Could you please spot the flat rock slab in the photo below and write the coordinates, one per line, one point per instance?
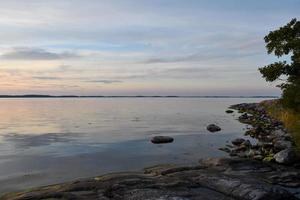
(212, 179)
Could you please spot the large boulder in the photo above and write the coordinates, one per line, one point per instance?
(162, 139)
(286, 156)
(213, 128)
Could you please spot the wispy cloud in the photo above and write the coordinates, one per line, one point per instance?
(80, 79)
(46, 78)
(104, 81)
(36, 54)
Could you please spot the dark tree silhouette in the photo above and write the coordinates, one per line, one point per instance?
(285, 42)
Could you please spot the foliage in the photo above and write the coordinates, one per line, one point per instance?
(289, 117)
(285, 42)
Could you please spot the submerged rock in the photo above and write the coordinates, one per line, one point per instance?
(213, 128)
(162, 139)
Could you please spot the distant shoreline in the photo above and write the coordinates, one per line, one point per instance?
(124, 96)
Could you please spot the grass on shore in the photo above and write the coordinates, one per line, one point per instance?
(290, 119)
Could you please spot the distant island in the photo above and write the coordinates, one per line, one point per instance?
(125, 96)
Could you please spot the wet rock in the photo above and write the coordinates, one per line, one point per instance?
(287, 179)
(162, 139)
(246, 143)
(225, 149)
(243, 117)
(238, 141)
(251, 153)
(264, 144)
(213, 128)
(286, 156)
(213, 179)
(258, 157)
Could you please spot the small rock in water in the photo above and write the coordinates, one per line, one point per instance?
(213, 128)
(286, 156)
(229, 111)
(238, 141)
(162, 139)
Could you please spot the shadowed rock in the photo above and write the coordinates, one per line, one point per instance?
(286, 156)
(212, 179)
(213, 128)
(162, 139)
(229, 111)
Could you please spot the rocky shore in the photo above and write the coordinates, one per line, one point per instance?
(273, 143)
(212, 179)
(261, 169)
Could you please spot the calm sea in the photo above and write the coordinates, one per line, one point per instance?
(47, 141)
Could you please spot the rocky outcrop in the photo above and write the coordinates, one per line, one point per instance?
(211, 179)
(273, 143)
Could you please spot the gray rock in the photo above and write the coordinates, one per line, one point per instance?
(162, 139)
(258, 157)
(225, 149)
(265, 144)
(279, 133)
(238, 141)
(251, 153)
(286, 156)
(282, 144)
(213, 128)
(247, 143)
(213, 179)
(244, 116)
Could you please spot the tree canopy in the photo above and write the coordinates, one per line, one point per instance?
(285, 42)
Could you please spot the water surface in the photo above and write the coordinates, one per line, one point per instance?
(47, 141)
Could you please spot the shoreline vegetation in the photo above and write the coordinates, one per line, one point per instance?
(268, 169)
(288, 117)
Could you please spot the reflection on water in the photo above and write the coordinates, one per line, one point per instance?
(45, 141)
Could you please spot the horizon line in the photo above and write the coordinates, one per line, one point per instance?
(136, 96)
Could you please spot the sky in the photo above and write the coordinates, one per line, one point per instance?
(138, 47)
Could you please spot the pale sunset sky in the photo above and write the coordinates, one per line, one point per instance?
(138, 47)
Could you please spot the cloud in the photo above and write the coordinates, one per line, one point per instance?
(36, 54)
(231, 53)
(82, 79)
(46, 78)
(104, 81)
